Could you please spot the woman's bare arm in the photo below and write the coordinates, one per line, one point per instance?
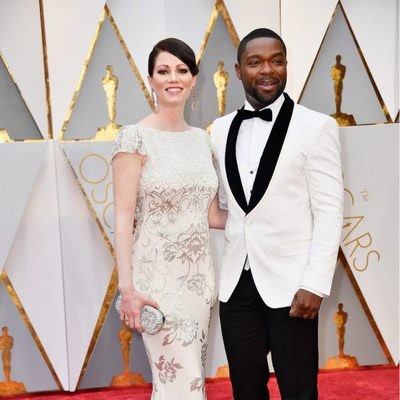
(126, 179)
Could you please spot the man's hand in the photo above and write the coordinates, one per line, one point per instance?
(305, 305)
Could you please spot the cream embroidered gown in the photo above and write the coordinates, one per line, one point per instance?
(171, 258)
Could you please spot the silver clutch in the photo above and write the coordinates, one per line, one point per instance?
(151, 318)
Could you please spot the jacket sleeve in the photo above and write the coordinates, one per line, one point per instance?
(325, 185)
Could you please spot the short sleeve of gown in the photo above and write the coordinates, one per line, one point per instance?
(129, 140)
(210, 144)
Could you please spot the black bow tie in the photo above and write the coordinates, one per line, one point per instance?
(265, 114)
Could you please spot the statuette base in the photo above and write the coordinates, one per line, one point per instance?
(4, 137)
(127, 379)
(107, 133)
(223, 372)
(344, 119)
(341, 362)
(11, 388)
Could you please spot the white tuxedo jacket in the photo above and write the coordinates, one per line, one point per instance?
(290, 230)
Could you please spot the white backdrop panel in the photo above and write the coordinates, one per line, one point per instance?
(252, 14)
(220, 47)
(87, 266)
(21, 44)
(358, 95)
(303, 26)
(70, 28)
(15, 116)
(90, 110)
(34, 266)
(378, 44)
(142, 25)
(19, 165)
(370, 234)
(91, 164)
(360, 339)
(190, 23)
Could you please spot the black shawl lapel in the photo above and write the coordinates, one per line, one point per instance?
(271, 152)
(231, 166)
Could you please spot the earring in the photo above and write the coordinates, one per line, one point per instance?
(154, 98)
(193, 105)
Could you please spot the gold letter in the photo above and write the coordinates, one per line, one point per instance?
(359, 243)
(366, 265)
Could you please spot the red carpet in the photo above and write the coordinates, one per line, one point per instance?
(368, 383)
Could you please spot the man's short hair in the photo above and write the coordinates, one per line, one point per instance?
(257, 33)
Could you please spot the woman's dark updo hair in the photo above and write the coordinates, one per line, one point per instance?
(179, 49)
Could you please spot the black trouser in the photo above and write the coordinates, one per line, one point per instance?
(251, 330)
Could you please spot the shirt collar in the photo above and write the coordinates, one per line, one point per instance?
(275, 106)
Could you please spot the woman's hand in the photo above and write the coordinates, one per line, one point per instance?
(132, 303)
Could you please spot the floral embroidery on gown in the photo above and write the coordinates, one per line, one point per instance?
(171, 256)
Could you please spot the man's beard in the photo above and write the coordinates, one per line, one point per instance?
(266, 99)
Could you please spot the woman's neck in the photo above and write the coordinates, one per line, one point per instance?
(168, 119)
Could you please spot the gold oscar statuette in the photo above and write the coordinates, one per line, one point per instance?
(127, 377)
(221, 83)
(341, 360)
(338, 72)
(4, 136)
(110, 85)
(8, 387)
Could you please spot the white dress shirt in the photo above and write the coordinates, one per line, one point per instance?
(252, 138)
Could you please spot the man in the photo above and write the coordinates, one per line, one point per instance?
(280, 170)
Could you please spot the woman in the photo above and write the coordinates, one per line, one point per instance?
(165, 182)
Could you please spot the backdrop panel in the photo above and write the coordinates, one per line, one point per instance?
(141, 27)
(192, 26)
(91, 164)
(379, 43)
(19, 166)
(87, 267)
(15, 116)
(70, 27)
(370, 229)
(303, 26)
(358, 96)
(251, 14)
(28, 365)
(359, 335)
(21, 45)
(35, 270)
(207, 103)
(90, 109)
